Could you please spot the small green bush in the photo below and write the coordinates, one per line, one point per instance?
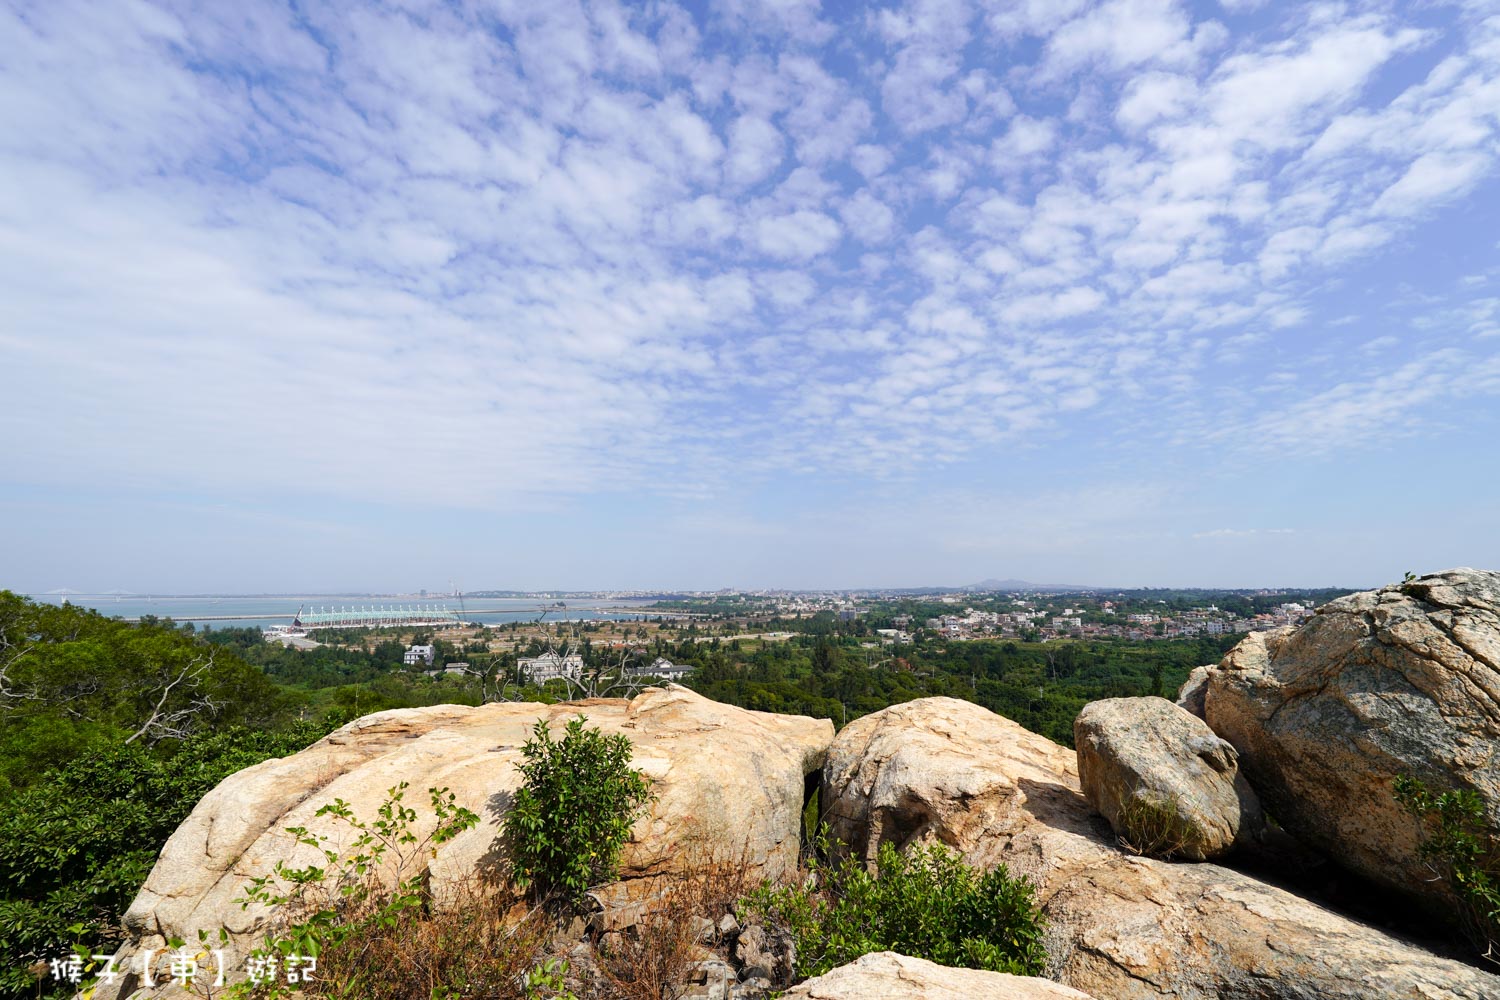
(926, 903)
(1464, 850)
(573, 811)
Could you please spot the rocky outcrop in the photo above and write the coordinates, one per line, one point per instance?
(728, 787)
(885, 975)
(1167, 785)
(948, 771)
(1190, 696)
(942, 770)
(765, 955)
(1404, 680)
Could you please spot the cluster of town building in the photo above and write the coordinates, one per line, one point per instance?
(550, 666)
(1101, 622)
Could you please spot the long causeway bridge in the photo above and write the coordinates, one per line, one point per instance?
(376, 616)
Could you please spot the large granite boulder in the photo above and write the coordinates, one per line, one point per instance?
(728, 785)
(1123, 927)
(1167, 785)
(1404, 680)
(948, 771)
(885, 975)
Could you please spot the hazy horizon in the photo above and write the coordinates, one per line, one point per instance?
(433, 594)
(753, 294)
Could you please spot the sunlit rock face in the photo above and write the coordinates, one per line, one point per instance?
(1404, 680)
(1162, 779)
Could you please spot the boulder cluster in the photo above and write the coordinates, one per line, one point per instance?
(1168, 851)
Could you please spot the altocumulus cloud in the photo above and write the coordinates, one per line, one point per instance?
(552, 249)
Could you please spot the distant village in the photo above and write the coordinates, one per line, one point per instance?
(1030, 617)
(1079, 623)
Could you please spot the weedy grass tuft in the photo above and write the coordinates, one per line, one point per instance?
(1151, 825)
(378, 939)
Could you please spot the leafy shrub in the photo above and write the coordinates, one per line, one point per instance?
(573, 811)
(926, 903)
(1464, 850)
(379, 941)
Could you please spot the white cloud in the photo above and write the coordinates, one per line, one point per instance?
(1350, 240)
(797, 235)
(1433, 178)
(706, 220)
(825, 118)
(920, 90)
(755, 150)
(1031, 17)
(1025, 137)
(1367, 410)
(1233, 533)
(622, 48)
(1267, 98)
(868, 218)
(871, 161)
(692, 136)
(1046, 307)
(999, 260)
(1121, 34)
(795, 18)
(787, 289)
(1155, 96)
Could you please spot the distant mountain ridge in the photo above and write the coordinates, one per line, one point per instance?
(1022, 585)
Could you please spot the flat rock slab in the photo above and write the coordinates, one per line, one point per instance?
(885, 975)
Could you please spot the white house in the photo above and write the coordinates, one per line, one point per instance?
(661, 668)
(419, 654)
(549, 666)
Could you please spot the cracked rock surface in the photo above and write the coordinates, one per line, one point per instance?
(1404, 680)
(1126, 928)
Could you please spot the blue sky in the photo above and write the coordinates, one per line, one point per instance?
(758, 293)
